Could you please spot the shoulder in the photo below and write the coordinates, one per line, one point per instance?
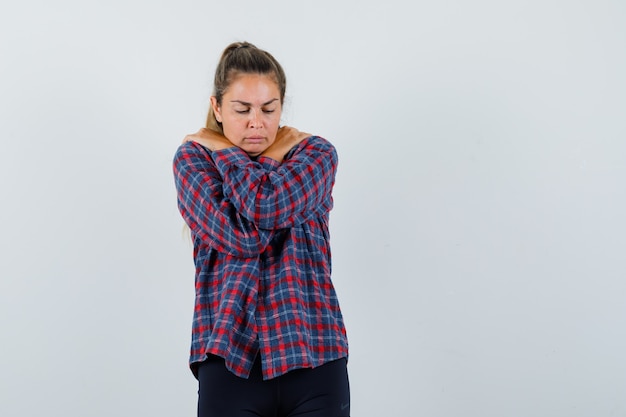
(318, 141)
(319, 144)
(191, 153)
(190, 148)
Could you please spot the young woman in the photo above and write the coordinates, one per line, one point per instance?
(268, 336)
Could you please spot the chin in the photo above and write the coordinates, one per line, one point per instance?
(254, 152)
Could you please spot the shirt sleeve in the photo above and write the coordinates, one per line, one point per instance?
(209, 213)
(275, 196)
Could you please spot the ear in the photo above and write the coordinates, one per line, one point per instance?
(216, 109)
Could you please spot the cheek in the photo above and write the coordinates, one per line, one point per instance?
(273, 132)
(275, 123)
(233, 127)
(231, 134)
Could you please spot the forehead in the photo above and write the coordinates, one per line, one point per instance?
(252, 88)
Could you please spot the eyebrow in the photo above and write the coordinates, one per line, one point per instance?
(245, 103)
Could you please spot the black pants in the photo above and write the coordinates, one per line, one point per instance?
(320, 392)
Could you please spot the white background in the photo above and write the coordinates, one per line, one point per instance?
(478, 234)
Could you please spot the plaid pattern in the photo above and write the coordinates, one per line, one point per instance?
(262, 257)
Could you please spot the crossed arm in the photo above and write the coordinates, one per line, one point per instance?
(234, 203)
(286, 138)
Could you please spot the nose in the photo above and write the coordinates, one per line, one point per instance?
(255, 119)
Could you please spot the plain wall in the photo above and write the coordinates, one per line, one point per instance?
(478, 233)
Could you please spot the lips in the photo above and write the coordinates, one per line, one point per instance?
(255, 139)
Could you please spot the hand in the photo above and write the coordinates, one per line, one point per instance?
(209, 139)
(286, 139)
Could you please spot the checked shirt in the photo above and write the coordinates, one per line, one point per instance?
(262, 256)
